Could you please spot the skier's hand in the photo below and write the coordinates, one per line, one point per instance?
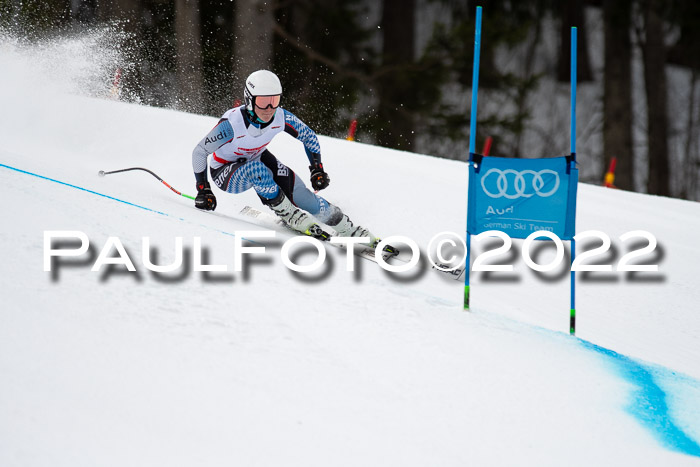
(319, 178)
(205, 197)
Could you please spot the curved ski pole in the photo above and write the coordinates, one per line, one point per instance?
(102, 173)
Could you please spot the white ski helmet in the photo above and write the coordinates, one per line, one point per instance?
(260, 83)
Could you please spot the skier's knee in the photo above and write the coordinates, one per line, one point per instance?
(334, 215)
(260, 176)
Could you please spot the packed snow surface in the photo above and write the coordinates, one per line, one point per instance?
(267, 367)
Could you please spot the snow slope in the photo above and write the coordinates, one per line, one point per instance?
(268, 367)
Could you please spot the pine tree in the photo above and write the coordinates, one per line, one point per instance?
(654, 54)
(189, 55)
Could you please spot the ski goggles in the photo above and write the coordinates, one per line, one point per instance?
(267, 102)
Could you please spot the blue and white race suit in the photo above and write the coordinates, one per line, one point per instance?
(240, 160)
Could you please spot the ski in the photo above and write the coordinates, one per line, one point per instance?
(268, 220)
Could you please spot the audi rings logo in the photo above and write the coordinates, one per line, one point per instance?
(512, 184)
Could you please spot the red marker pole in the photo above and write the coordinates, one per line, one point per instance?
(352, 130)
(487, 146)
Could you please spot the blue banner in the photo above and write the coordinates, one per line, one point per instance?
(521, 196)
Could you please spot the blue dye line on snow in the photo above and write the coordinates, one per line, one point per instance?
(106, 196)
(648, 404)
(81, 188)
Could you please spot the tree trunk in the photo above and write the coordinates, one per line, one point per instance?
(654, 52)
(188, 33)
(573, 15)
(690, 168)
(396, 125)
(297, 26)
(253, 39)
(617, 98)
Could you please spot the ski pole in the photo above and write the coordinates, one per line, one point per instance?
(102, 173)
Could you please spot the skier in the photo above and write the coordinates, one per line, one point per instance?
(240, 161)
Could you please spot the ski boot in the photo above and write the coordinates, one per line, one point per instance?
(346, 228)
(296, 218)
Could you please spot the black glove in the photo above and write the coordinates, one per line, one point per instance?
(319, 178)
(205, 198)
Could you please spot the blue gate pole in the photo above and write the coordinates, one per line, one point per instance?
(472, 140)
(573, 93)
(475, 82)
(572, 319)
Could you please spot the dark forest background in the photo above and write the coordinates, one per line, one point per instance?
(403, 68)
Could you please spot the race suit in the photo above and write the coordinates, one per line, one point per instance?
(240, 160)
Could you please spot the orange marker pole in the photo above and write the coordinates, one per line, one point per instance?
(610, 175)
